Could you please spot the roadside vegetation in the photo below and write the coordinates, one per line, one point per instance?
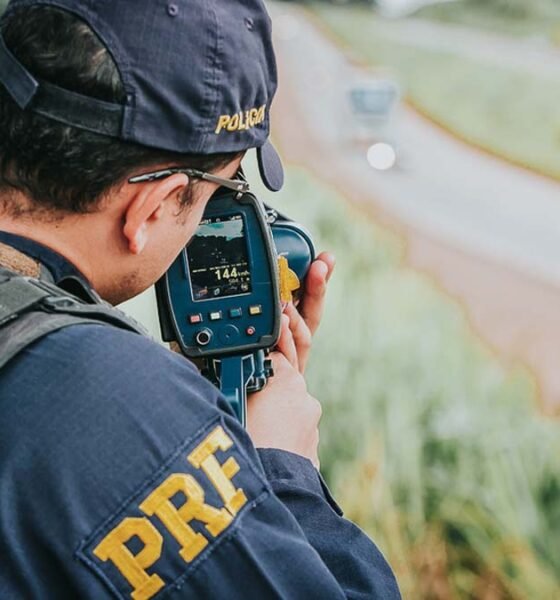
(539, 18)
(428, 442)
(511, 113)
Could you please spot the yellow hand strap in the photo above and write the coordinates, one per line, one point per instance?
(289, 281)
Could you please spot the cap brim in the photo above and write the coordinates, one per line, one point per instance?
(270, 167)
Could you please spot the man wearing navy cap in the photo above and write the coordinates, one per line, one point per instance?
(122, 472)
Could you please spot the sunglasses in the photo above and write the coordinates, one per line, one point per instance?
(237, 185)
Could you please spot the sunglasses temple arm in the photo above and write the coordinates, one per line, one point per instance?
(236, 185)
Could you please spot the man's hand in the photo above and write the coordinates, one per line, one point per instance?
(304, 320)
(284, 416)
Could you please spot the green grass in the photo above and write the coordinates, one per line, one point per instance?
(514, 114)
(511, 17)
(428, 442)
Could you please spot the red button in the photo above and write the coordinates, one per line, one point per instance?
(194, 319)
(251, 331)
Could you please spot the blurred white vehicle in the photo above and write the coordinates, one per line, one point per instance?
(370, 106)
(401, 8)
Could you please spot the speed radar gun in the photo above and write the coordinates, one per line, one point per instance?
(221, 300)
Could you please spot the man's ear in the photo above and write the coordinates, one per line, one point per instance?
(148, 205)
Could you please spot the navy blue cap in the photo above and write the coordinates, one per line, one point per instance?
(199, 75)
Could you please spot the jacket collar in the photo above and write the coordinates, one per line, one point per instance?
(64, 274)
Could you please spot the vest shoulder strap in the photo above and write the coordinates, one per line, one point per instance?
(31, 309)
(31, 327)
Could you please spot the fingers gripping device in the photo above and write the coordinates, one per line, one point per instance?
(222, 298)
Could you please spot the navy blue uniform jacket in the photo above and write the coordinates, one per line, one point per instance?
(123, 474)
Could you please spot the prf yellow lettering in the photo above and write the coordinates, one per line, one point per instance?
(220, 475)
(133, 568)
(177, 520)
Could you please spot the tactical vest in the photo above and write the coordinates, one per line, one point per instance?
(31, 307)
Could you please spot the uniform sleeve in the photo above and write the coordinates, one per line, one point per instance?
(352, 558)
(126, 476)
(257, 548)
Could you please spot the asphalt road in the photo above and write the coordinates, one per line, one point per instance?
(443, 187)
(484, 231)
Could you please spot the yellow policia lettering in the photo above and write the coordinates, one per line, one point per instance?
(222, 122)
(133, 568)
(242, 121)
(176, 520)
(233, 124)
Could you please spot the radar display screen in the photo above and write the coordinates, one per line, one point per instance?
(218, 259)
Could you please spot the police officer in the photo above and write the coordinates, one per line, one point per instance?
(122, 472)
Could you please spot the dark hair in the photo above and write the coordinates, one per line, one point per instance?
(62, 169)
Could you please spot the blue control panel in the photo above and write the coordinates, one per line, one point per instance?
(222, 290)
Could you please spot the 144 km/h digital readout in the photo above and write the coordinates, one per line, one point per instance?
(218, 260)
